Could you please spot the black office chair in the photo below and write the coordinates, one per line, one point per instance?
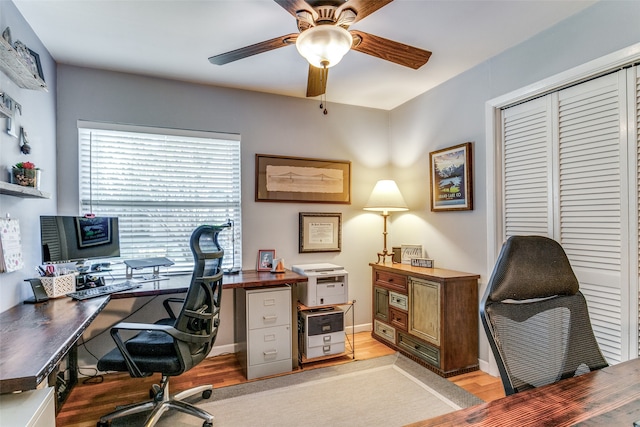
(173, 345)
(536, 318)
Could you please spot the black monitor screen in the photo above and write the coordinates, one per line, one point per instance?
(77, 238)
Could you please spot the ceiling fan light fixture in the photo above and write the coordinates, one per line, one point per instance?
(324, 45)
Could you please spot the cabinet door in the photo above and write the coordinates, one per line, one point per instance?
(424, 310)
(381, 303)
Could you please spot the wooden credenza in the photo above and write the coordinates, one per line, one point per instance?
(428, 314)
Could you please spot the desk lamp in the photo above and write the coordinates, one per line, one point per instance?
(385, 198)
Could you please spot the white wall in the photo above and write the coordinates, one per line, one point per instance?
(267, 124)
(39, 120)
(453, 113)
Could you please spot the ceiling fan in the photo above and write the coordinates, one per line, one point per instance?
(323, 39)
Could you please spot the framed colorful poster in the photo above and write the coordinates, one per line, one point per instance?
(451, 178)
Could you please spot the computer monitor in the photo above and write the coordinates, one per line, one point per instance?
(78, 238)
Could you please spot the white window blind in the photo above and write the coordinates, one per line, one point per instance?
(162, 184)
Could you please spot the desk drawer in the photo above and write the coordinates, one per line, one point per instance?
(391, 280)
(397, 300)
(422, 350)
(384, 331)
(326, 339)
(398, 318)
(269, 345)
(324, 350)
(269, 307)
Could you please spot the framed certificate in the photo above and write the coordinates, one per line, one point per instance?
(320, 232)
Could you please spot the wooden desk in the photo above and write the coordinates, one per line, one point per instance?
(243, 279)
(608, 397)
(35, 338)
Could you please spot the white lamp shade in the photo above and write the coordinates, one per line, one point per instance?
(386, 197)
(324, 45)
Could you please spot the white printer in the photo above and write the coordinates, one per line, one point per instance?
(326, 284)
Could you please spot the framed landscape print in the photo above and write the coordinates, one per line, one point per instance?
(451, 178)
(299, 179)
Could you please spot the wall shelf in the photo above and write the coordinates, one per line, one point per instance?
(17, 70)
(5, 112)
(20, 191)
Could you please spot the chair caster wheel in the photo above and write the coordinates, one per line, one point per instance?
(106, 424)
(154, 390)
(207, 424)
(206, 394)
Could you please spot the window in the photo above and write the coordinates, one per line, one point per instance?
(162, 184)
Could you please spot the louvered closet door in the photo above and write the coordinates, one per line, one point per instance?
(527, 168)
(590, 215)
(565, 176)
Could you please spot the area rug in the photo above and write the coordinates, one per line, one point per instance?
(386, 391)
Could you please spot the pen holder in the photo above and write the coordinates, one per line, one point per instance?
(59, 286)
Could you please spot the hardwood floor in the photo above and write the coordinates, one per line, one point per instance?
(90, 400)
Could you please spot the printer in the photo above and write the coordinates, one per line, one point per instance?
(326, 284)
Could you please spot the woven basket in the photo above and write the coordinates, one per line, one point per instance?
(59, 286)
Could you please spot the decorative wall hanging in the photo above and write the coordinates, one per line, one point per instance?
(320, 232)
(451, 178)
(300, 179)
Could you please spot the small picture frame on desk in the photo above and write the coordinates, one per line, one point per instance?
(265, 259)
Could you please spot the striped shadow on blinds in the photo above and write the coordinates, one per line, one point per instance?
(162, 184)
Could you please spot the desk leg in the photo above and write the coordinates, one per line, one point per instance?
(294, 327)
(62, 386)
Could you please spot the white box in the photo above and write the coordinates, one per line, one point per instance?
(59, 286)
(322, 332)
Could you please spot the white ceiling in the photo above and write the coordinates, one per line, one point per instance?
(174, 38)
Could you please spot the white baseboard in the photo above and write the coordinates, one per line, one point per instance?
(218, 350)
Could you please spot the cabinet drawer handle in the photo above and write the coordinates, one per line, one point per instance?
(267, 318)
(270, 352)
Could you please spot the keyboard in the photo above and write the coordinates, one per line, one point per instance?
(104, 290)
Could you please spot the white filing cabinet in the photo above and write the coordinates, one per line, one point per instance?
(263, 328)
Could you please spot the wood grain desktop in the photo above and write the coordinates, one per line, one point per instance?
(607, 397)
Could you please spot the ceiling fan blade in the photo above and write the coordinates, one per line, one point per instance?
(317, 81)
(363, 8)
(254, 49)
(389, 50)
(293, 6)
